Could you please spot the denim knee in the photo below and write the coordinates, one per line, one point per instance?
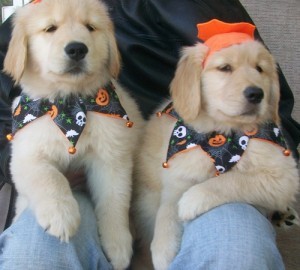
(232, 236)
(31, 248)
(25, 245)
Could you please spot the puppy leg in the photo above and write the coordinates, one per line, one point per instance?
(145, 206)
(49, 195)
(168, 228)
(110, 186)
(167, 235)
(274, 192)
(285, 219)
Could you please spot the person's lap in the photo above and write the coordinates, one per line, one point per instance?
(25, 245)
(232, 236)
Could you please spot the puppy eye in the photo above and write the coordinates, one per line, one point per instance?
(90, 27)
(225, 68)
(259, 69)
(50, 29)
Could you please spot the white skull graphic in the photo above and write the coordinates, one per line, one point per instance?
(80, 119)
(243, 142)
(180, 132)
(220, 169)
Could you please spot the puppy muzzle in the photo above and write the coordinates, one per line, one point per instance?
(76, 51)
(254, 95)
(76, 54)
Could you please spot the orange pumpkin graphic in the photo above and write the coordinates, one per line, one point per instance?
(53, 112)
(181, 142)
(217, 140)
(251, 132)
(18, 111)
(102, 98)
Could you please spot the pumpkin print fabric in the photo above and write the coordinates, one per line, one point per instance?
(70, 113)
(225, 151)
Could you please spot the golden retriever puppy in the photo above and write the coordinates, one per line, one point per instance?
(217, 142)
(72, 115)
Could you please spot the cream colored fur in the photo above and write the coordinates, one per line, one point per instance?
(209, 99)
(105, 151)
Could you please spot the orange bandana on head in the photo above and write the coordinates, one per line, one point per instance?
(217, 35)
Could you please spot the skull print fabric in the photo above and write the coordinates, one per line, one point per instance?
(69, 114)
(225, 150)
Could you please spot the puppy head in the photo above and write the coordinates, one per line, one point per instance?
(237, 85)
(67, 44)
(240, 85)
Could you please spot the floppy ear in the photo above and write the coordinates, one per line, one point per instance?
(114, 61)
(186, 86)
(275, 97)
(15, 59)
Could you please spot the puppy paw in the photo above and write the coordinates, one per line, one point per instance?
(193, 203)
(285, 219)
(162, 254)
(118, 248)
(60, 218)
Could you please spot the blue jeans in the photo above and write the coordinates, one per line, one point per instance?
(232, 236)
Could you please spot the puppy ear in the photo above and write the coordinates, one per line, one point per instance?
(275, 97)
(185, 88)
(15, 59)
(114, 62)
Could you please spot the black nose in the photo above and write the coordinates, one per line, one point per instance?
(76, 50)
(254, 94)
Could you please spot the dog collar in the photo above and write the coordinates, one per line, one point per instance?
(69, 114)
(224, 150)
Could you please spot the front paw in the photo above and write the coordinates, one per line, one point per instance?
(285, 219)
(118, 247)
(59, 217)
(195, 202)
(163, 253)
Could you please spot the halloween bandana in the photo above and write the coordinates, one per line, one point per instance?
(224, 150)
(69, 114)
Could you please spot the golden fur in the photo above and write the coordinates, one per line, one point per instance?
(36, 59)
(210, 98)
